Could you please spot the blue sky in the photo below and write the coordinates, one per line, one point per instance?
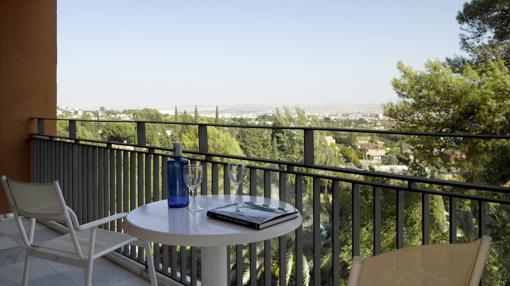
(129, 54)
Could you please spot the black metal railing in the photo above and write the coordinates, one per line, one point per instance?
(346, 212)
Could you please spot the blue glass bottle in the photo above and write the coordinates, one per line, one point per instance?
(177, 190)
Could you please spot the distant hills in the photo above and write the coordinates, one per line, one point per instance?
(270, 109)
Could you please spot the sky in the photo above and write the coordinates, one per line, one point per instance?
(157, 54)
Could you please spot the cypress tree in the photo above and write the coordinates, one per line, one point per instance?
(196, 114)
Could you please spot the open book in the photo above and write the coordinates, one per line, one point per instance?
(251, 214)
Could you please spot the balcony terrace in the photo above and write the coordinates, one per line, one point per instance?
(346, 211)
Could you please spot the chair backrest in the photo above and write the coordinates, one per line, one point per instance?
(440, 264)
(39, 202)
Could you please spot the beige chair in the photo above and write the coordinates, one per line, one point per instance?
(81, 246)
(459, 264)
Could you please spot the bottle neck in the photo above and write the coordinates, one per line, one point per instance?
(178, 149)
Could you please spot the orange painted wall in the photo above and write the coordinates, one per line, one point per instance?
(28, 79)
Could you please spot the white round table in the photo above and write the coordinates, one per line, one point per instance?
(158, 223)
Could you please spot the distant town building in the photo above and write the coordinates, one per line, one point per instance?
(372, 149)
(329, 140)
(375, 153)
(397, 169)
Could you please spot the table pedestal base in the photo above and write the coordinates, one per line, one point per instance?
(214, 266)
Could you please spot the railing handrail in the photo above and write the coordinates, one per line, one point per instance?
(334, 129)
(440, 182)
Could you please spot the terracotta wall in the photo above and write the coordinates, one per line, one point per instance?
(28, 79)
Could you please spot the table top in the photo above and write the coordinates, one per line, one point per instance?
(158, 223)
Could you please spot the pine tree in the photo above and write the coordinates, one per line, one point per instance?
(196, 114)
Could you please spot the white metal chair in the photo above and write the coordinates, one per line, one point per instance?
(459, 264)
(81, 246)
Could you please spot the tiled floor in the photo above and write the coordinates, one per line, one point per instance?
(49, 273)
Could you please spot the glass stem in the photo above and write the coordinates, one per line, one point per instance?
(194, 198)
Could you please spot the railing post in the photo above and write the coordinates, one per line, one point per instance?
(356, 220)
(140, 134)
(203, 145)
(425, 215)
(40, 126)
(481, 218)
(335, 240)
(316, 230)
(377, 219)
(453, 219)
(400, 218)
(308, 147)
(72, 129)
(298, 246)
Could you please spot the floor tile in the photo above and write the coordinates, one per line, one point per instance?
(40, 235)
(104, 273)
(12, 255)
(43, 272)
(132, 282)
(52, 280)
(6, 242)
(11, 227)
(14, 272)
(62, 267)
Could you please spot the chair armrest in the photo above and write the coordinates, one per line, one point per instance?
(101, 221)
(73, 217)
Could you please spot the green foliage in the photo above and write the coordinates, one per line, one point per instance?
(486, 26)
(350, 155)
(467, 99)
(120, 132)
(219, 141)
(486, 19)
(288, 142)
(477, 100)
(348, 139)
(256, 142)
(147, 114)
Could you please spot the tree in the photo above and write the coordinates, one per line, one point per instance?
(486, 26)
(474, 100)
(288, 142)
(148, 114)
(197, 117)
(120, 132)
(477, 100)
(219, 141)
(255, 142)
(485, 20)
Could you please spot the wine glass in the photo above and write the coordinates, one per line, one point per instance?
(236, 173)
(192, 179)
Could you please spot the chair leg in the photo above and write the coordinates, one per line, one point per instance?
(26, 270)
(150, 263)
(88, 272)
